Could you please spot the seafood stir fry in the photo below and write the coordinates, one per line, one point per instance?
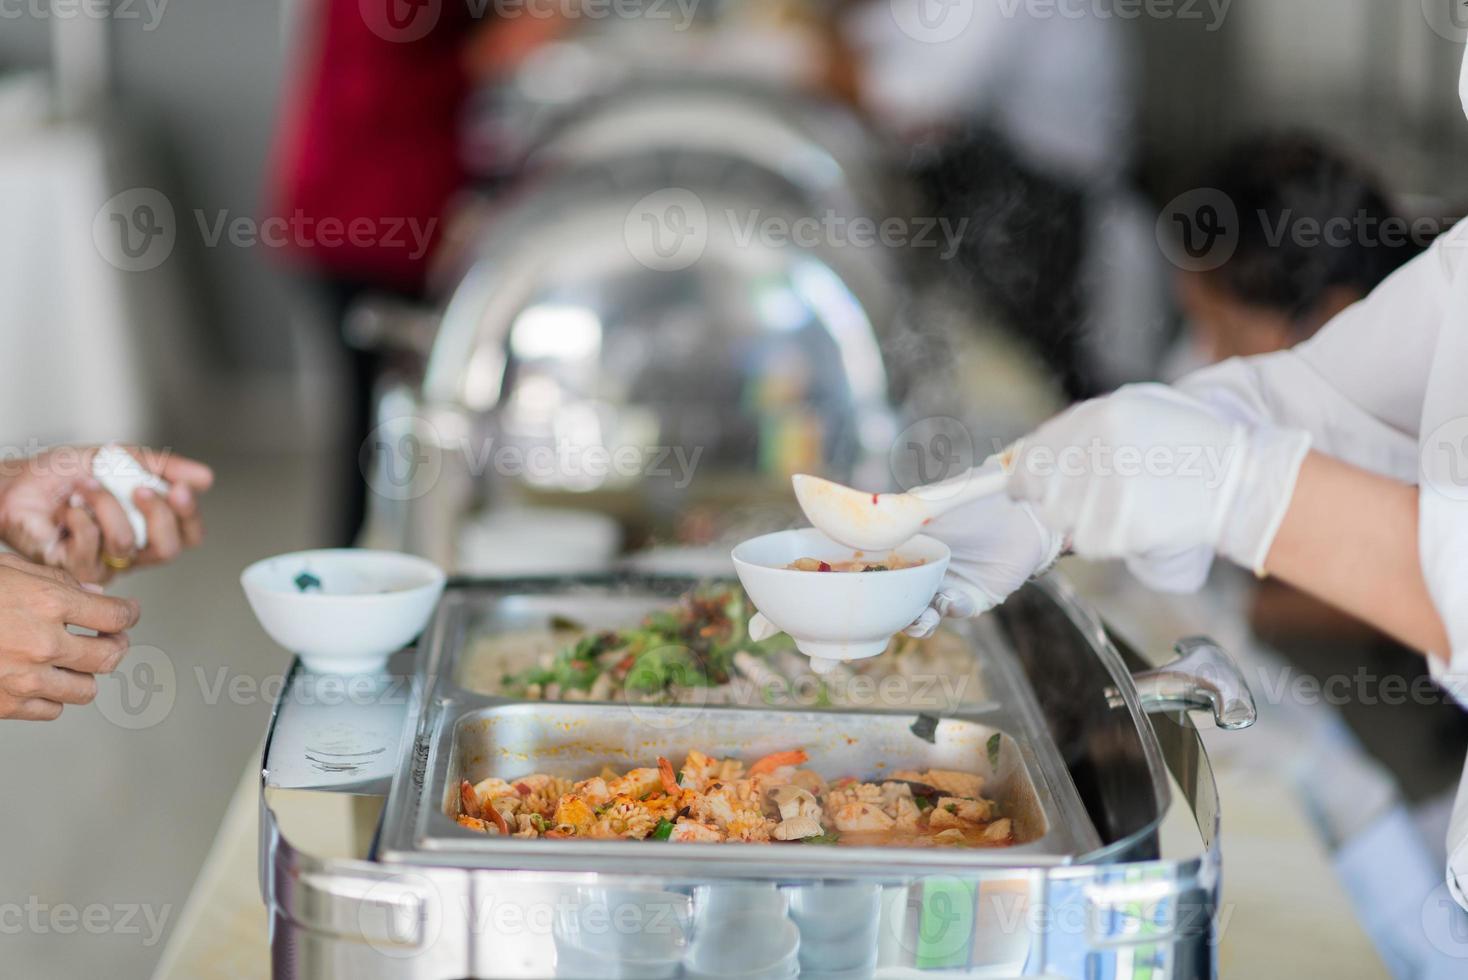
(714, 800)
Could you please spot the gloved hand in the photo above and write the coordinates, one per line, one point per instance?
(1155, 477)
(998, 545)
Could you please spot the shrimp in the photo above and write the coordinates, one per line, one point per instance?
(670, 781)
(794, 757)
(498, 819)
(469, 800)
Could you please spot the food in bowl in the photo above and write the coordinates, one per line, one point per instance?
(891, 563)
(837, 619)
(774, 799)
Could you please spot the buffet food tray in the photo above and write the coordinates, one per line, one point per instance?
(991, 726)
(1078, 716)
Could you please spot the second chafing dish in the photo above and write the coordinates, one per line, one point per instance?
(995, 730)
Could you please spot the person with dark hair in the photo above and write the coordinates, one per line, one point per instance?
(1316, 233)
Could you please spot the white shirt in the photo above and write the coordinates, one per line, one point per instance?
(1384, 386)
(1058, 84)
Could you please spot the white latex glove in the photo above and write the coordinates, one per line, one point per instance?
(1155, 477)
(998, 545)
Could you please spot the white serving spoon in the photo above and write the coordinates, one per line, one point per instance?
(881, 522)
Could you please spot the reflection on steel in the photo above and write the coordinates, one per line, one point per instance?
(637, 320)
(1205, 678)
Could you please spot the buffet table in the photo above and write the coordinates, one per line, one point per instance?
(1283, 908)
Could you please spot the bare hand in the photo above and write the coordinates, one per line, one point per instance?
(53, 512)
(44, 666)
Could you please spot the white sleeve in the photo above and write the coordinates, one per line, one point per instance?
(1443, 468)
(1358, 386)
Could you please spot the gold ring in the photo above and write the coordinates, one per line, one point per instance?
(117, 564)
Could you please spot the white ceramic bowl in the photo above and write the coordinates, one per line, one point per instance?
(837, 616)
(367, 606)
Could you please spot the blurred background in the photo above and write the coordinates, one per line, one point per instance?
(376, 262)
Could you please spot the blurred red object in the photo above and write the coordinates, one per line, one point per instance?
(369, 148)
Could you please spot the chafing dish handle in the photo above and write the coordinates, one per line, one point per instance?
(1204, 678)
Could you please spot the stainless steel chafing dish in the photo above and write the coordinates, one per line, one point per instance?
(1078, 760)
(678, 276)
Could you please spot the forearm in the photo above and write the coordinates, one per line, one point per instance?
(1349, 538)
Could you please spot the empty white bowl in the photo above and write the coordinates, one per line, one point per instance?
(837, 616)
(343, 611)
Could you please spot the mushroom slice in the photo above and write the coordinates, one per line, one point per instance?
(793, 802)
(798, 828)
